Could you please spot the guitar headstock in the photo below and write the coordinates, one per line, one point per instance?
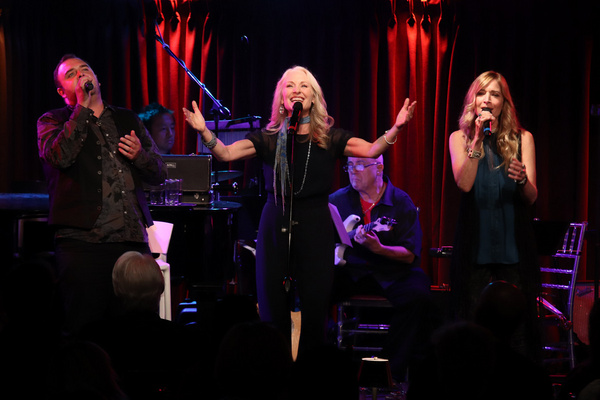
(387, 221)
(383, 224)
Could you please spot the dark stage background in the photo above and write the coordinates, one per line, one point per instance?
(368, 55)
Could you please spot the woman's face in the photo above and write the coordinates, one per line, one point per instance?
(296, 88)
(490, 97)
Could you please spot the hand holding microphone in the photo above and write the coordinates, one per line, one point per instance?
(487, 125)
(83, 92)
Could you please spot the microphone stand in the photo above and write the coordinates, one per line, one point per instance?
(290, 285)
(217, 106)
(290, 282)
(218, 109)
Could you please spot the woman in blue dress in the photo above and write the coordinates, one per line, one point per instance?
(493, 161)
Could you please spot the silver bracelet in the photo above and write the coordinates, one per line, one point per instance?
(386, 139)
(211, 143)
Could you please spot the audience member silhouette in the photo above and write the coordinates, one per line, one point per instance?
(477, 360)
(254, 362)
(588, 370)
(82, 370)
(149, 354)
(591, 391)
(210, 329)
(461, 366)
(30, 331)
(502, 310)
(324, 372)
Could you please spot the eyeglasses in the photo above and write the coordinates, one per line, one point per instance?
(357, 167)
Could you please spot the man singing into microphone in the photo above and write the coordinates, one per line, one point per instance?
(95, 157)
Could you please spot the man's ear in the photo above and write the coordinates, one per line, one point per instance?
(62, 94)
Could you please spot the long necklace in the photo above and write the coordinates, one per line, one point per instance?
(305, 169)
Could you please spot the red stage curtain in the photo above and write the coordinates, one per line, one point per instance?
(368, 55)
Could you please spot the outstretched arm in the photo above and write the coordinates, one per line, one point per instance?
(240, 149)
(357, 147)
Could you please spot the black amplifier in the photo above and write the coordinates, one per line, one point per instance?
(195, 172)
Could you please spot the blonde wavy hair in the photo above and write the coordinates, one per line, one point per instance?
(509, 129)
(320, 121)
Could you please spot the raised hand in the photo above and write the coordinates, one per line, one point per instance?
(406, 113)
(195, 119)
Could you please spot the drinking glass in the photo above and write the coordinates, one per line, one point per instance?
(157, 194)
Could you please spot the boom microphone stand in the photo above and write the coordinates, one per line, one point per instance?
(218, 108)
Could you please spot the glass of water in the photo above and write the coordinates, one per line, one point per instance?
(157, 194)
(173, 192)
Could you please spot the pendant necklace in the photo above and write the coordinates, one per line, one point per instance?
(305, 168)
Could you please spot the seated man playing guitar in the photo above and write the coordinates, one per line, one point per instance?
(384, 259)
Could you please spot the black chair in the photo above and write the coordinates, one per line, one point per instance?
(362, 320)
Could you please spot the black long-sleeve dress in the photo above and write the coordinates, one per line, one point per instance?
(312, 235)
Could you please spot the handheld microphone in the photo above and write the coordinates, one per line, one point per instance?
(295, 119)
(487, 130)
(89, 86)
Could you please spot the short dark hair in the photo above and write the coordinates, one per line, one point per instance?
(151, 111)
(64, 58)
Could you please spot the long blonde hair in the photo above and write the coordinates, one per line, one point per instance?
(509, 129)
(320, 121)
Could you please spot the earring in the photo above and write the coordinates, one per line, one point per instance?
(281, 109)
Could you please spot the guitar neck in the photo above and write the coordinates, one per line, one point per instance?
(369, 227)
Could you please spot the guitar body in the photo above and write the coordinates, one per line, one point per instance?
(340, 248)
(350, 222)
(380, 225)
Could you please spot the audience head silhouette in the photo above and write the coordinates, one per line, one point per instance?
(501, 309)
(83, 370)
(465, 360)
(254, 362)
(138, 282)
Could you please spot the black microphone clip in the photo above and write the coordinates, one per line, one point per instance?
(295, 119)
